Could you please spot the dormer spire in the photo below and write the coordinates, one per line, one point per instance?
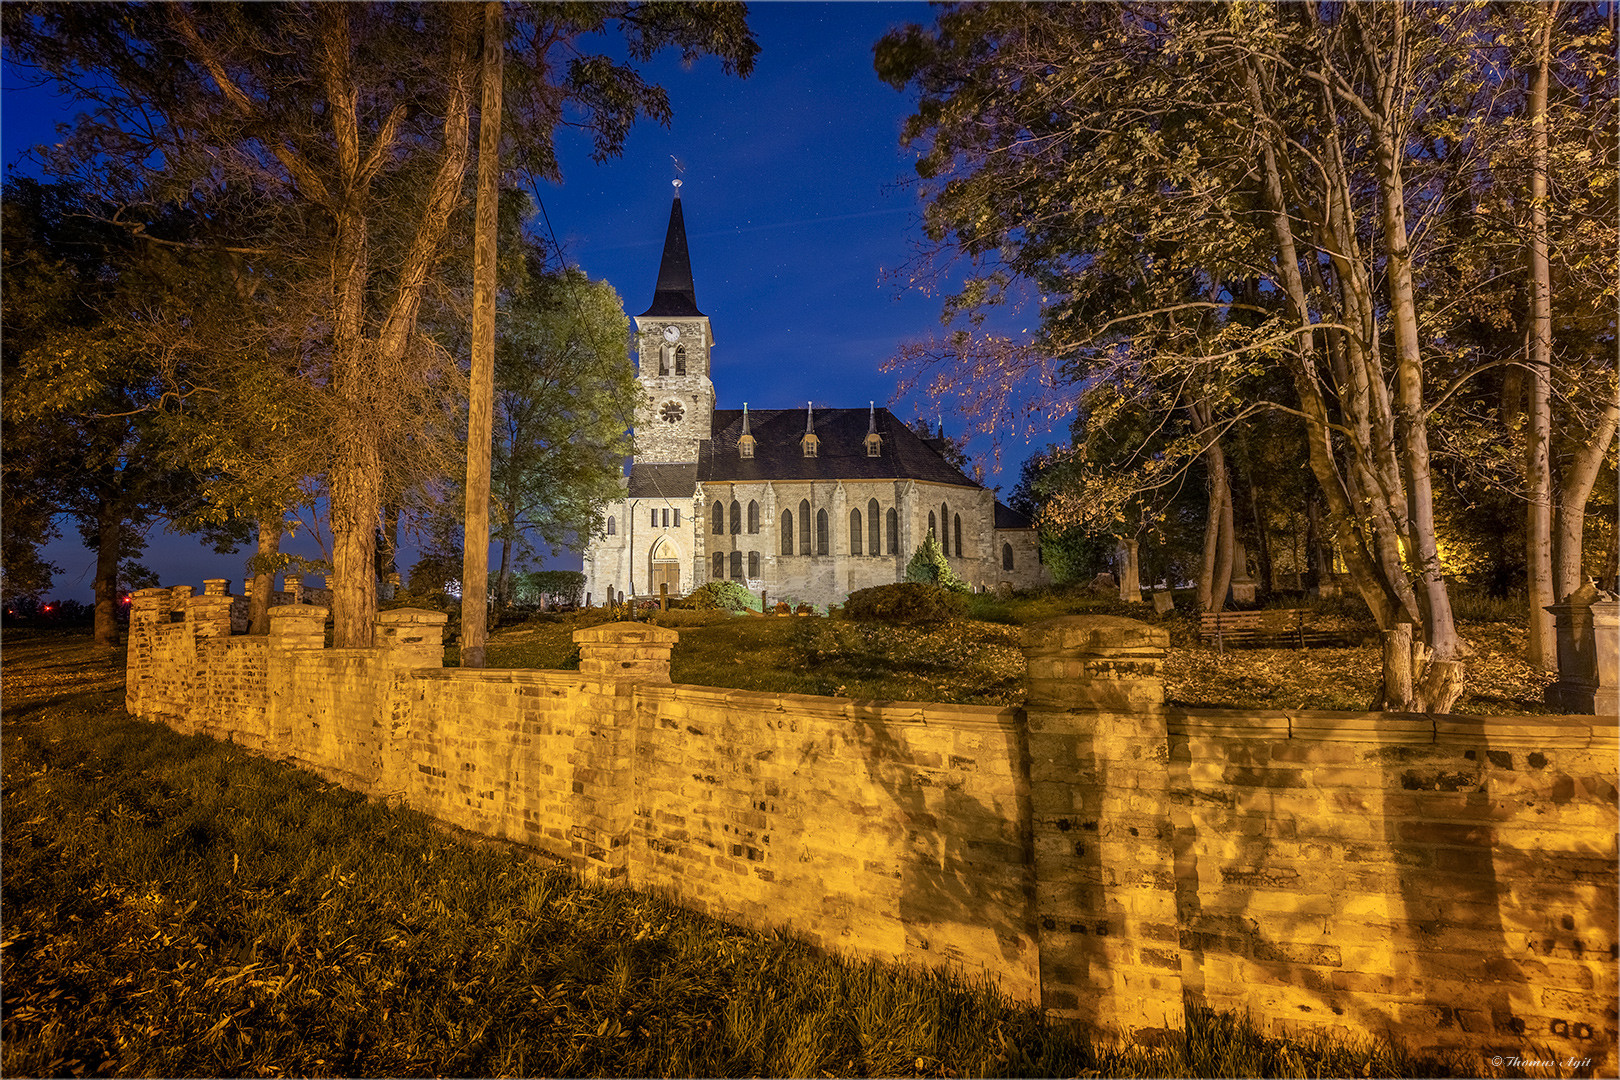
(874, 441)
(871, 418)
(809, 418)
(745, 441)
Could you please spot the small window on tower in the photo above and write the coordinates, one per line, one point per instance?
(680, 359)
(672, 412)
(612, 525)
(874, 445)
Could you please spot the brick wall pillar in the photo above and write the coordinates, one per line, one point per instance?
(294, 628)
(209, 615)
(412, 637)
(147, 608)
(216, 586)
(1104, 863)
(614, 660)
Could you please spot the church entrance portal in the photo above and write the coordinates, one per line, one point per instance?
(666, 568)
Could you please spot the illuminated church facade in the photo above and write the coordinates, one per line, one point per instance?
(806, 504)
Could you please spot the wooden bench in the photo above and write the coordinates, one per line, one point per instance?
(1279, 626)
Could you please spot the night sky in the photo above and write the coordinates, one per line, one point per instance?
(797, 215)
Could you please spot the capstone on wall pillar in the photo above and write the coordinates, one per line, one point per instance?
(614, 659)
(412, 637)
(1104, 863)
(294, 629)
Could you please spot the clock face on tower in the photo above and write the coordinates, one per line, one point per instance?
(672, 333)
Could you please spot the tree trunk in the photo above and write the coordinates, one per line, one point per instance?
(109, 540)
(265, 582)
(1576, 487)
(475, 534)
(503, 583)
(1538, 544)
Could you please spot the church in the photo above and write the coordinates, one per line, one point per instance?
(807, 505)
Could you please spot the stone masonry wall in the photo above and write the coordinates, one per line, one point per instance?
(1450, 881)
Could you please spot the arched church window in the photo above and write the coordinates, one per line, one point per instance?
(804, 526)
(873, 547)
(753, 516)
(823, 540)
(717, 518)
(753, 564)
(787, 532)
(892, 520)
(736, 517)
(612, 525)
(680, 359)
(1006, 557)
(854, 532)
(664, 353)
(719, 566)
(677, 517)
(736, 566)
(944, 527)
(655, 517)
(956, 526)
(933, 524)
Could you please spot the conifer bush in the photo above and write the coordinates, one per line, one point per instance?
(722, 595)
(928, 566)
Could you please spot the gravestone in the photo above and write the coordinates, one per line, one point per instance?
(1164, 602)
(1244, 587)
(1587, 624)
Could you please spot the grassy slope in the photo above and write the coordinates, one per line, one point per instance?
(977, 660)
(176, 907)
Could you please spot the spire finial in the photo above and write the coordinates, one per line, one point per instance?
(809, 417)
(745, 430)
(871, 418)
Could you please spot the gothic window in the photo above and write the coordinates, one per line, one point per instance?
(804, 526)
(736, 566)
(655, 517)
(933, 525)
(672, 412)
(680, 359)
(854, 532)
(753, 564)
(719, 565)
(753, 516)
(736, 517)
(677, 517)
(787, 532)
(873, 546)
(945, 527)
(957, 526)
(1006, 557)
(823, 540)
(663, 359)
(612, 525)
(892, 518)
(717, 518)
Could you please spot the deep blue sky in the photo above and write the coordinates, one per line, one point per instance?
(795, 213)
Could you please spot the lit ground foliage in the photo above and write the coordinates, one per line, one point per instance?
(976, 661)
(176, 907)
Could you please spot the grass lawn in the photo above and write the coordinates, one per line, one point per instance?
(977, 660)
(176, 907)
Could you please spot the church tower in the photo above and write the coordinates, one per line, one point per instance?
(673, 340)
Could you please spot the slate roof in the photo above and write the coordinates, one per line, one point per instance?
(675, 293)
(841, 455)
(1008, 518)
(662, 481)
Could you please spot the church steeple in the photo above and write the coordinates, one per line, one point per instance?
(675, 293)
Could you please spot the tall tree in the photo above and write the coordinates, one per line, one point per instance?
(481, 391)
(1279, 166)
(348, 127)
(83, 384)
(564, 402)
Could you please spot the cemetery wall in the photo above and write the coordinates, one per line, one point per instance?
(1447, 880)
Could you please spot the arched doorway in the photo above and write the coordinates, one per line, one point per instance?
(665, 568)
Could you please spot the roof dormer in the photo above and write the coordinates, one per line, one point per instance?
(810, 442)
(745, 441)
(874, 441)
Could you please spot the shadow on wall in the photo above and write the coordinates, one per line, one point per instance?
(967, 869)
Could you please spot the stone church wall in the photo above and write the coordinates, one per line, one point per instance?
(1448, 880)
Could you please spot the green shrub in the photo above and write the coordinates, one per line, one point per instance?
(723, 596)
(676, 617)
(905, 602)
(928, 566)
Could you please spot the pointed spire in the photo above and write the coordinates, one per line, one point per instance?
(809, 418)
(675, 293)
(745, 441)
(871, 418)
(745, 419)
